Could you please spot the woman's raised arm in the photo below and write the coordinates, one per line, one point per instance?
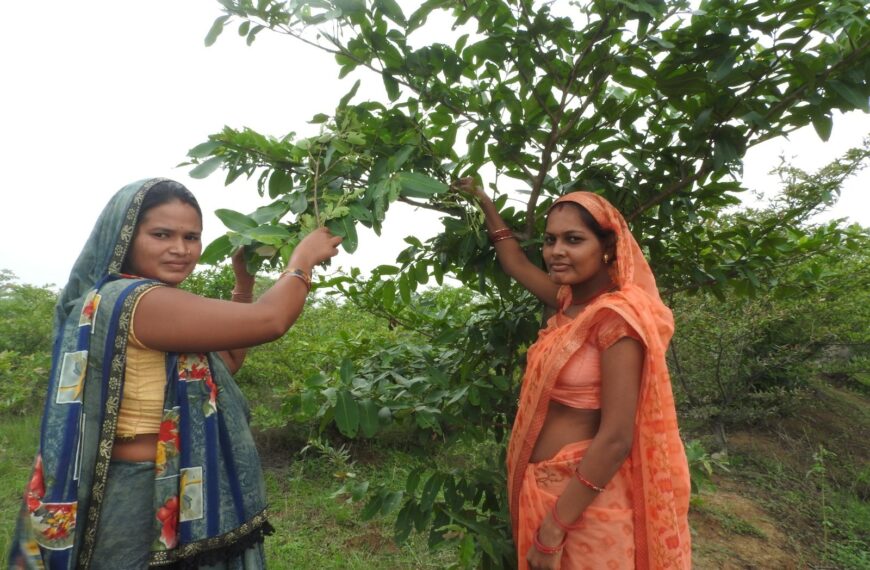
(511, 257)
(173, 320)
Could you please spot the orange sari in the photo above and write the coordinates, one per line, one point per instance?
(659, 472)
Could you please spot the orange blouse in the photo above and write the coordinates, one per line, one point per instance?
(578, 384)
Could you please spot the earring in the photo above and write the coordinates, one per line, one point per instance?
(606, 258)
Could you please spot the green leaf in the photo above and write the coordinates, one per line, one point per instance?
(413, 480)
(253, 34)
(203, 150)
(391, 501)
(397, 160)
(279, 183)
(823, 125)
(272, 235)
(416, 185)
(430, 489)
(349, 95)
(346, 371)
(368, 421)
(388, 293)
(404, 289)
(850, 94)
(724, 66)
(404, 522)
(373, 507)
(216, 28)
(662, 42)
(298, 202)
(346, 413)
(421, 273)
(391, 85)
(216, 251)
(269, 213)
(235, 221)
(346, 228)
(203, 169)
(392, 11)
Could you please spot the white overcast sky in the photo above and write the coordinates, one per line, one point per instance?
(98, 94)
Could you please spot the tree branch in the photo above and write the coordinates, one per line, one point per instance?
(706, 165)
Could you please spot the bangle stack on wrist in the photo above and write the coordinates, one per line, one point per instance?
(501, 234)
(299, 274)
(239, 297)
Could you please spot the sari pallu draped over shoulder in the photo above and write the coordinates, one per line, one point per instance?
(209, 498)
(660, 477)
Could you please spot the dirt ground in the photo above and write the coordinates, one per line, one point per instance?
(745, 524)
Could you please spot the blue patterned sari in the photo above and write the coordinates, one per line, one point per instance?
(205, 488)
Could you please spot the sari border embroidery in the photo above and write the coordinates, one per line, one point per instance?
(125, 237)
(113, 387)
(254, 529)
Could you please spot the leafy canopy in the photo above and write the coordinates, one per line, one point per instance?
(652, 103)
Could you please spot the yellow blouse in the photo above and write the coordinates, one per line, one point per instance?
(144, 385)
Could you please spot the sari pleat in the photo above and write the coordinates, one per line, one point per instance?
(604, 535)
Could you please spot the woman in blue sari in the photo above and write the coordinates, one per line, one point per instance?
(145, 455)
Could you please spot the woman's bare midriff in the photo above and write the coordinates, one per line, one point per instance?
(142, 447)
(564, 425)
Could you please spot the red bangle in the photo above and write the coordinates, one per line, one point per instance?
(562, 524)
(544, 549)
(586, 481)
(501, 234)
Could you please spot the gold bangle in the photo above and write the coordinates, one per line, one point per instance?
(242, 297)
(299, 273)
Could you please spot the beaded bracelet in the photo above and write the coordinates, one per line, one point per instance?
(501, 234)
(299, 273)
(544, 549)
(586, 481)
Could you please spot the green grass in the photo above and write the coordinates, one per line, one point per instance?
(314, 529)
(19, 437)
(732, 523)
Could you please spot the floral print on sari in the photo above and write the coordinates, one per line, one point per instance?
(89, 309)
(54, 523)
(167, 518)
(195, 368)
(168, 443)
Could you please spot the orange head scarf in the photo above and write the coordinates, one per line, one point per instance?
(660, 477)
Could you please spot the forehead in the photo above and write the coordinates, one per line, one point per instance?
(564, 218)
(174, 213)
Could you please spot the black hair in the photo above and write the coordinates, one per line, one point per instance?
(161, 193)
(164, 192)
(605, 236)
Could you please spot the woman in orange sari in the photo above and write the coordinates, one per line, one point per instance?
(597, 473)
